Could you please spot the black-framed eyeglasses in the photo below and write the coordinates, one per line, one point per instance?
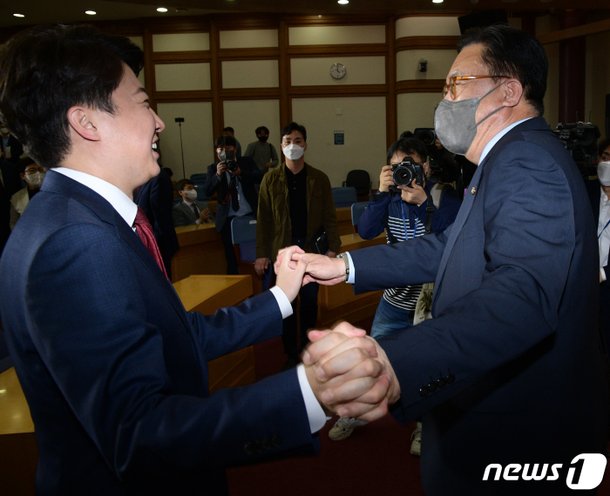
(451, 86)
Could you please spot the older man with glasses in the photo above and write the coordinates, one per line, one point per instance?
(509, 375)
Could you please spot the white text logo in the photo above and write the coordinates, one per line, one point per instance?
(585, 471)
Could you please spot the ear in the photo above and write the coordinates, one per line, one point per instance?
(513, 92)
(81, 120)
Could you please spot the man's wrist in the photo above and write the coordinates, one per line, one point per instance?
(343, 257)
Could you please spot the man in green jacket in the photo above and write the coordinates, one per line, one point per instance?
(296, 207)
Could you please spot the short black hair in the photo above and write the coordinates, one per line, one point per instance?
(45, 70)
(182, 183)
(260, 129)
(23, 163)
(293, 126)
(408, 146)
(512, 52)
(602, 145)
(225, 141)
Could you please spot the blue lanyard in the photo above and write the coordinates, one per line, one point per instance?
(405, 221)
(602, 231)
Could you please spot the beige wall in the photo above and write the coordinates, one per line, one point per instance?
(265, 73)
(362, 122)
(197, 137)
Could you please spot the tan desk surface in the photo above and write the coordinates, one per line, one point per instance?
(204, 294)
(188, 235)
(14, 412)
(344, 220)
(201, 252)
(207, 293)
(354, 241)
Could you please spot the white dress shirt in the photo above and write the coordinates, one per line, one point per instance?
(603, 232)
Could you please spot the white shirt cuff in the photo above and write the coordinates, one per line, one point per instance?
(282, 301)
(351, 278)
(315, 413)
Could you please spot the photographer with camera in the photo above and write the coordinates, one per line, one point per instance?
(408, 204)
(234, 182)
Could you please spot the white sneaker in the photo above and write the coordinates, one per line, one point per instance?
(416, 440)
(343, 428)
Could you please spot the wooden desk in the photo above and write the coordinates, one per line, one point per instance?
(344, 221)
(206, 294)
(201, 252)
(18, 450)
(202, 293)
(339, 302)
(14, 412)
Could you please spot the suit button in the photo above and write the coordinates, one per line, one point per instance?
(424, 390)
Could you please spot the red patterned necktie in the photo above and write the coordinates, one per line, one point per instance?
(145, 233)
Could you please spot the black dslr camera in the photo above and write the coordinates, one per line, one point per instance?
(231, 165)
(231, 162)
(406, 172)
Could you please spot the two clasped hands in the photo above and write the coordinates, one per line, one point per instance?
(347, 370)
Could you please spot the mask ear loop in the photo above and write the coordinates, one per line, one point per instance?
(493, 111)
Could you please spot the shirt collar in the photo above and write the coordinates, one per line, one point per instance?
(490, 144)
(124, 205)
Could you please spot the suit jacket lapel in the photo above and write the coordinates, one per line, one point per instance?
(457, 225)
(58, 183)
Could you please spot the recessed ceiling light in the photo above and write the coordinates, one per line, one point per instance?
(18, 15)
(162, 10)
(342, 2)
(90, 12)
(438, 1)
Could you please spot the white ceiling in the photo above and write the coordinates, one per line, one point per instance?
(69, 11)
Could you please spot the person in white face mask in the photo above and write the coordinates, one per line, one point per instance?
(32, 174)
(600, 203)
(189, 210)
(295, 208)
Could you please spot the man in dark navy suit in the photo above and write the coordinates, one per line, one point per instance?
(113, 367)
(509, 376)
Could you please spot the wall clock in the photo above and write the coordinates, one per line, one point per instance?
(338, 71)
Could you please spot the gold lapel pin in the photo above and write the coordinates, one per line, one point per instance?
(473, 190)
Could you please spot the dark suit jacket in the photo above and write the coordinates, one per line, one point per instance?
(184, 215)
(510, 369)
(156, 198)
(115, 370)
(250, 176)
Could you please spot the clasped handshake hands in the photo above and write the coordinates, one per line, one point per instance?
(348, 371)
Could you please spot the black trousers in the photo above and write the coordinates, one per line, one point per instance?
(303, 318)
(305, 308)
(227, 242)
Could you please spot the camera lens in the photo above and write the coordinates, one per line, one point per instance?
(402, 175)
(406, 172)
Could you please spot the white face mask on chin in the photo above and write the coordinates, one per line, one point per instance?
(603, 173)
